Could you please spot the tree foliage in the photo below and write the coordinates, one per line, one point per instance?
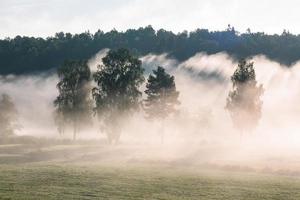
(162, 96)
(244, 101)
(73, 104)
(8, 117)
(117, 93)
(21, 55)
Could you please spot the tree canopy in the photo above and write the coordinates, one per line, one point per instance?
(244, 101)
(162, 96)
(117, 92)
(21, 55)
(73, 105)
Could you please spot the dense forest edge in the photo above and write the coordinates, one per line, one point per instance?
(24, 55)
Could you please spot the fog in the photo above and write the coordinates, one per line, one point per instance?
(202, 132)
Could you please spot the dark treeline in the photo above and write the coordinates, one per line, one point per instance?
(28, 54)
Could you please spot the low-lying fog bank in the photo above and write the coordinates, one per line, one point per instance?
(202, 132)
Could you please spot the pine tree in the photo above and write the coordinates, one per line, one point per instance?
(162, 96)
(244, 100)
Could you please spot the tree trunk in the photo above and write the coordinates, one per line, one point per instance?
(75, 130)
(74, 134)
(242, 133)
(162, 128)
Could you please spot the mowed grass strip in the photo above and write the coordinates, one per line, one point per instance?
(60, 181)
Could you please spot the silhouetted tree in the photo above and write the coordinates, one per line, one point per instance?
(162, 96)
(244, 101)
(73, 104)
(8, 117)
(117, 93)
(21, 55)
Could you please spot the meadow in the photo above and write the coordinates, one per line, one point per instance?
(95, 170)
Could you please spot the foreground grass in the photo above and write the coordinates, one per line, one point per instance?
(41, 169)
(64, 181)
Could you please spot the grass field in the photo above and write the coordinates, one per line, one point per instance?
(54, 172)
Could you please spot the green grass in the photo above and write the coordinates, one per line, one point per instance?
(42, 174)
(60, 181)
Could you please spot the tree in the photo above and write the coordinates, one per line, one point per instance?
(162, 96)
(73, 104)
(244, 100)
(23, 55)
(117, 93)
(8, 117)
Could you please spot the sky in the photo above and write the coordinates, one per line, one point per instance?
(44, 18)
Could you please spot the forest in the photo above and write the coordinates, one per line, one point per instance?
(25, 55)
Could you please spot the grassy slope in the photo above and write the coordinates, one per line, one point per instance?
(42, 177)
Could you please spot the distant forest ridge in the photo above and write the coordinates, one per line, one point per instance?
(23, 55)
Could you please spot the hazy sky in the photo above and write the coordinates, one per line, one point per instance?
(45, 17)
